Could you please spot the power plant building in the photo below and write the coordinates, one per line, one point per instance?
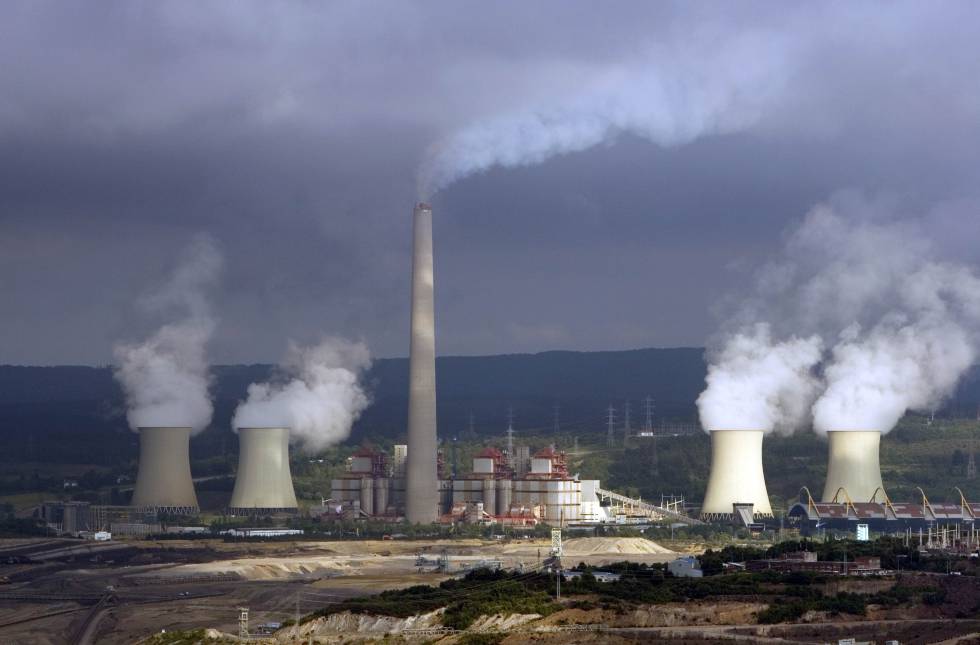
(263, 484)
(736, 476)
(490, 493)
(164, 479)
(944, 524)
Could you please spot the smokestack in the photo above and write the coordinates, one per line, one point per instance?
(736, 475)
(853, 465)
(164, 478)
(421, 494)
(263, 484)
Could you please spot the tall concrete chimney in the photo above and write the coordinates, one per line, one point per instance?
(263, 484)
(421, 478)
(736, 475)
(853, 465)
(163, 480)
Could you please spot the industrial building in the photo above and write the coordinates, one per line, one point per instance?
(263, 484)
(946, 523)
(67, 518)
(163, 481)
(685, 567)
(807, 561)
(491, 493)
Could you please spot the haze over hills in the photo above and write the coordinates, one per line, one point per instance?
(77, 413)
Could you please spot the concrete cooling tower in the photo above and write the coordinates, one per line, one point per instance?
(263, 484)
(422, 485)
(164, 478)
(736, 475)
(853, 465)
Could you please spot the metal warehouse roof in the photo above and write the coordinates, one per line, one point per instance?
(963, 511)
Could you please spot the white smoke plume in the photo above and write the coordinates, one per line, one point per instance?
(902, 326)
(673, 93)
(319, 398)
(911, 360)
(165, 378)
(754, 383)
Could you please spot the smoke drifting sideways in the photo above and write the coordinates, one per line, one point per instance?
(754, 383)
(672, 93)
(166, 378)
(318, 396)
(902, 326)
(910, 360)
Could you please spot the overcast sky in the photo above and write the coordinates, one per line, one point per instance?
(620, 168)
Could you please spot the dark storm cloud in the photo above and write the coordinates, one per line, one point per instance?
(688, 137)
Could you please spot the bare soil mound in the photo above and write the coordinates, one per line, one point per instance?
(609, 545)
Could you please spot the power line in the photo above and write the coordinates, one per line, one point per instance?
(611, 430)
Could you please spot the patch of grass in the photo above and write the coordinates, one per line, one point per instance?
(479, 593)
(507, 598)
(782, 610)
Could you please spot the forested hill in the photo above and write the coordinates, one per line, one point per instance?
(77, 413)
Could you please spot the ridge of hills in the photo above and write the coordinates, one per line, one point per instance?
(76, 415)
(81, 409)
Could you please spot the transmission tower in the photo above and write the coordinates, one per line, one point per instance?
(455, 445)
(627, 429)
(510, 431)
(648, 426)
(611, 431)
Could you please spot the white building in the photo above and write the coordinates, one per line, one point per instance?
(685, 567)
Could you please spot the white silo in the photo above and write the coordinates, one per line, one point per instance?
(164, 479)
(853, 465)
(263, 483)
(736, 475)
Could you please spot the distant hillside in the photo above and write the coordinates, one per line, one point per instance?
(72, 414)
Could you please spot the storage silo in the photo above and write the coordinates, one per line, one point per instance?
(505, 490)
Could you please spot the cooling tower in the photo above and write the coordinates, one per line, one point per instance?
(736, 474)
(263, 484)
(422, 485)
(164, 478)
(853, 464)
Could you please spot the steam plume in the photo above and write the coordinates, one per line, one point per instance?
(321, 398)
(165, 378)
(673, 94)
(754, 383)
(902, 326)
(911, 360)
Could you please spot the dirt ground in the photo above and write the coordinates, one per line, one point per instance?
(119, 593)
